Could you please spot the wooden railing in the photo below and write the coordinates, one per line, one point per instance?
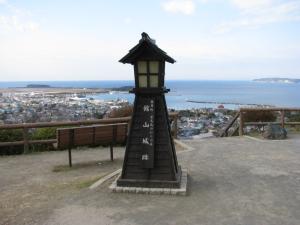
(282, 122)
(26, 126)
(224, 132)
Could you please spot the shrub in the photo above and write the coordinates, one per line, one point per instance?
(260, 116)
(121, 112)
(293, 117)
(11, 135)
(44, 133)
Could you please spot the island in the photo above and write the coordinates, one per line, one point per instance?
(123, 88)
(38, 86)
(278, 80)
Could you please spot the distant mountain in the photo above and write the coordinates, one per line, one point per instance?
(278, 80)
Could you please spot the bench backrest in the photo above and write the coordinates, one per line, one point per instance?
(92, 135)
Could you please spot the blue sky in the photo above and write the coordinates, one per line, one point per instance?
(210, 39)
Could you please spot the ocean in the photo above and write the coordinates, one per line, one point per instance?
(232, 94)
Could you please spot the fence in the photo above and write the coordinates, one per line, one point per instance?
(282, 122)
(239, 120)
(26, 126)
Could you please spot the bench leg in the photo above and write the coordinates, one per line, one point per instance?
(70, 157)
(111, 153)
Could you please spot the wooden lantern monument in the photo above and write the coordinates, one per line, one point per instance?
(150, 158)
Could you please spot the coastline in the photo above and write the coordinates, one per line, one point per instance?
(239, 93)
(54, 90)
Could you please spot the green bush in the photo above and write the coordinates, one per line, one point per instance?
(260, 116)
(8, 136)
(121, 112)
(293, 117)
(44, 133)
(11, 135)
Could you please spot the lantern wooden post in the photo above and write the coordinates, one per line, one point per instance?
(150, 157)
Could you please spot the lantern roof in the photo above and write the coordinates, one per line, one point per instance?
(146, 49)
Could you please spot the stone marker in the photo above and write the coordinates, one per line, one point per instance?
(150, 158)
(275, 132)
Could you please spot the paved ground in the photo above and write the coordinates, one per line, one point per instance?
(232, 181)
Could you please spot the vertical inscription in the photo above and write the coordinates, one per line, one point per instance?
(147, 141)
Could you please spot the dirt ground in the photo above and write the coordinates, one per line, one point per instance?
(231, 181)
(33, 185)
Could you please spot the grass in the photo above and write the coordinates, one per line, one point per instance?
(61, 168)
(255, 134)
(87, 183)
(75, 184)
(66, 168)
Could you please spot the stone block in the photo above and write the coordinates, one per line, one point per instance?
(167, 191)
(132, 190)
(126, 189)
(118, 189)
(174, 191)
(146, 190)
(155, 191)
(138, 190)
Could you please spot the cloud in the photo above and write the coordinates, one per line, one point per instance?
(15, 23)
(46, 55)
(186, 7)
(16, 19)
(251, 4)
(254, 14)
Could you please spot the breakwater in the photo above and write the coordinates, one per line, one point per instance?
(230, 103)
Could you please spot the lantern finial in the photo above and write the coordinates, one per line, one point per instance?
(145, 35)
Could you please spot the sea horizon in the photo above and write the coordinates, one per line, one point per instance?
(185, 93)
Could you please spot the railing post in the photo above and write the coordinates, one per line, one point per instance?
(282, 118)
(175, 125)
(70, 146)
(241, 128)
(114, 140)
(25, 140)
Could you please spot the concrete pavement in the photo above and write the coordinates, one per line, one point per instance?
(231, 181)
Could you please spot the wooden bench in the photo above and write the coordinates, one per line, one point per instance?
(108, 134)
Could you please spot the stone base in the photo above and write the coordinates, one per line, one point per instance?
(155, 191)
(151, 183)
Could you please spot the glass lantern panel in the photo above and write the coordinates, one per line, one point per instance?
(154, 81)
(142, 67)
(154, 66)
(142, 81)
